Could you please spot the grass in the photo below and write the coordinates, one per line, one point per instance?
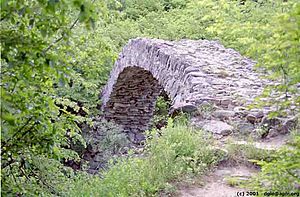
(279, 169)
(244, 153)
(179, 151)
(233, 181)
(282, 172)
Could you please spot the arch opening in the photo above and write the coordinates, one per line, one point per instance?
(132, 101)
(161, 111)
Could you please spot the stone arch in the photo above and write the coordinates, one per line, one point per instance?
(189, 71)
(133, 99)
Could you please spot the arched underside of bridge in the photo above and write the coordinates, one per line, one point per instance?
(190, 72)
(132, 102)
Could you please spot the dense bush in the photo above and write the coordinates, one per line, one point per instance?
(135, 9)
(106, 140)
(35, 123)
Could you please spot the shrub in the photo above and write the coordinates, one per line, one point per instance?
(106, 139)
(180, 150)
(161, 112)
(40, 176)
(282, 173)
(244, 153)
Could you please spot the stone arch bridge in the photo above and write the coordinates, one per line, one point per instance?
(190, 72)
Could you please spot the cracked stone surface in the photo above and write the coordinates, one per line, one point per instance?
(191, 73)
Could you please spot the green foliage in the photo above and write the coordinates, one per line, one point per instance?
(35, 121)
(162, 105)
(281, 173)
(280, 57)
(161, 112)
(40, 176)
(135, 9)
(182, 118)
(233, 181)
(266, 31)
(178, 151)
(52, 70)
(91, 59)
(245, 153)
(105, 138)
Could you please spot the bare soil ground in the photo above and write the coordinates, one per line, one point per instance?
(215, 184)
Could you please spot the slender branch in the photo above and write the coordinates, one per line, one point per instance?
(11, 172)
(17, 139)
(4, 165)
(292, 174)
(23, 172)
(14, 135)
(60, 38)
(51, 188)
(75, 22)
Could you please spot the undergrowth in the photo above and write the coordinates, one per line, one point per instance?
(279, 169)
(281, 174)
(180, 150)
(161, 112)
(244, 153)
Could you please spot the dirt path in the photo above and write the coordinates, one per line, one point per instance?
(216, 184)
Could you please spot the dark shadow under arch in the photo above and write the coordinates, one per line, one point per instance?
(132, 101)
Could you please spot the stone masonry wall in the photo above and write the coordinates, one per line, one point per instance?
(133, 100)
(191, 72)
